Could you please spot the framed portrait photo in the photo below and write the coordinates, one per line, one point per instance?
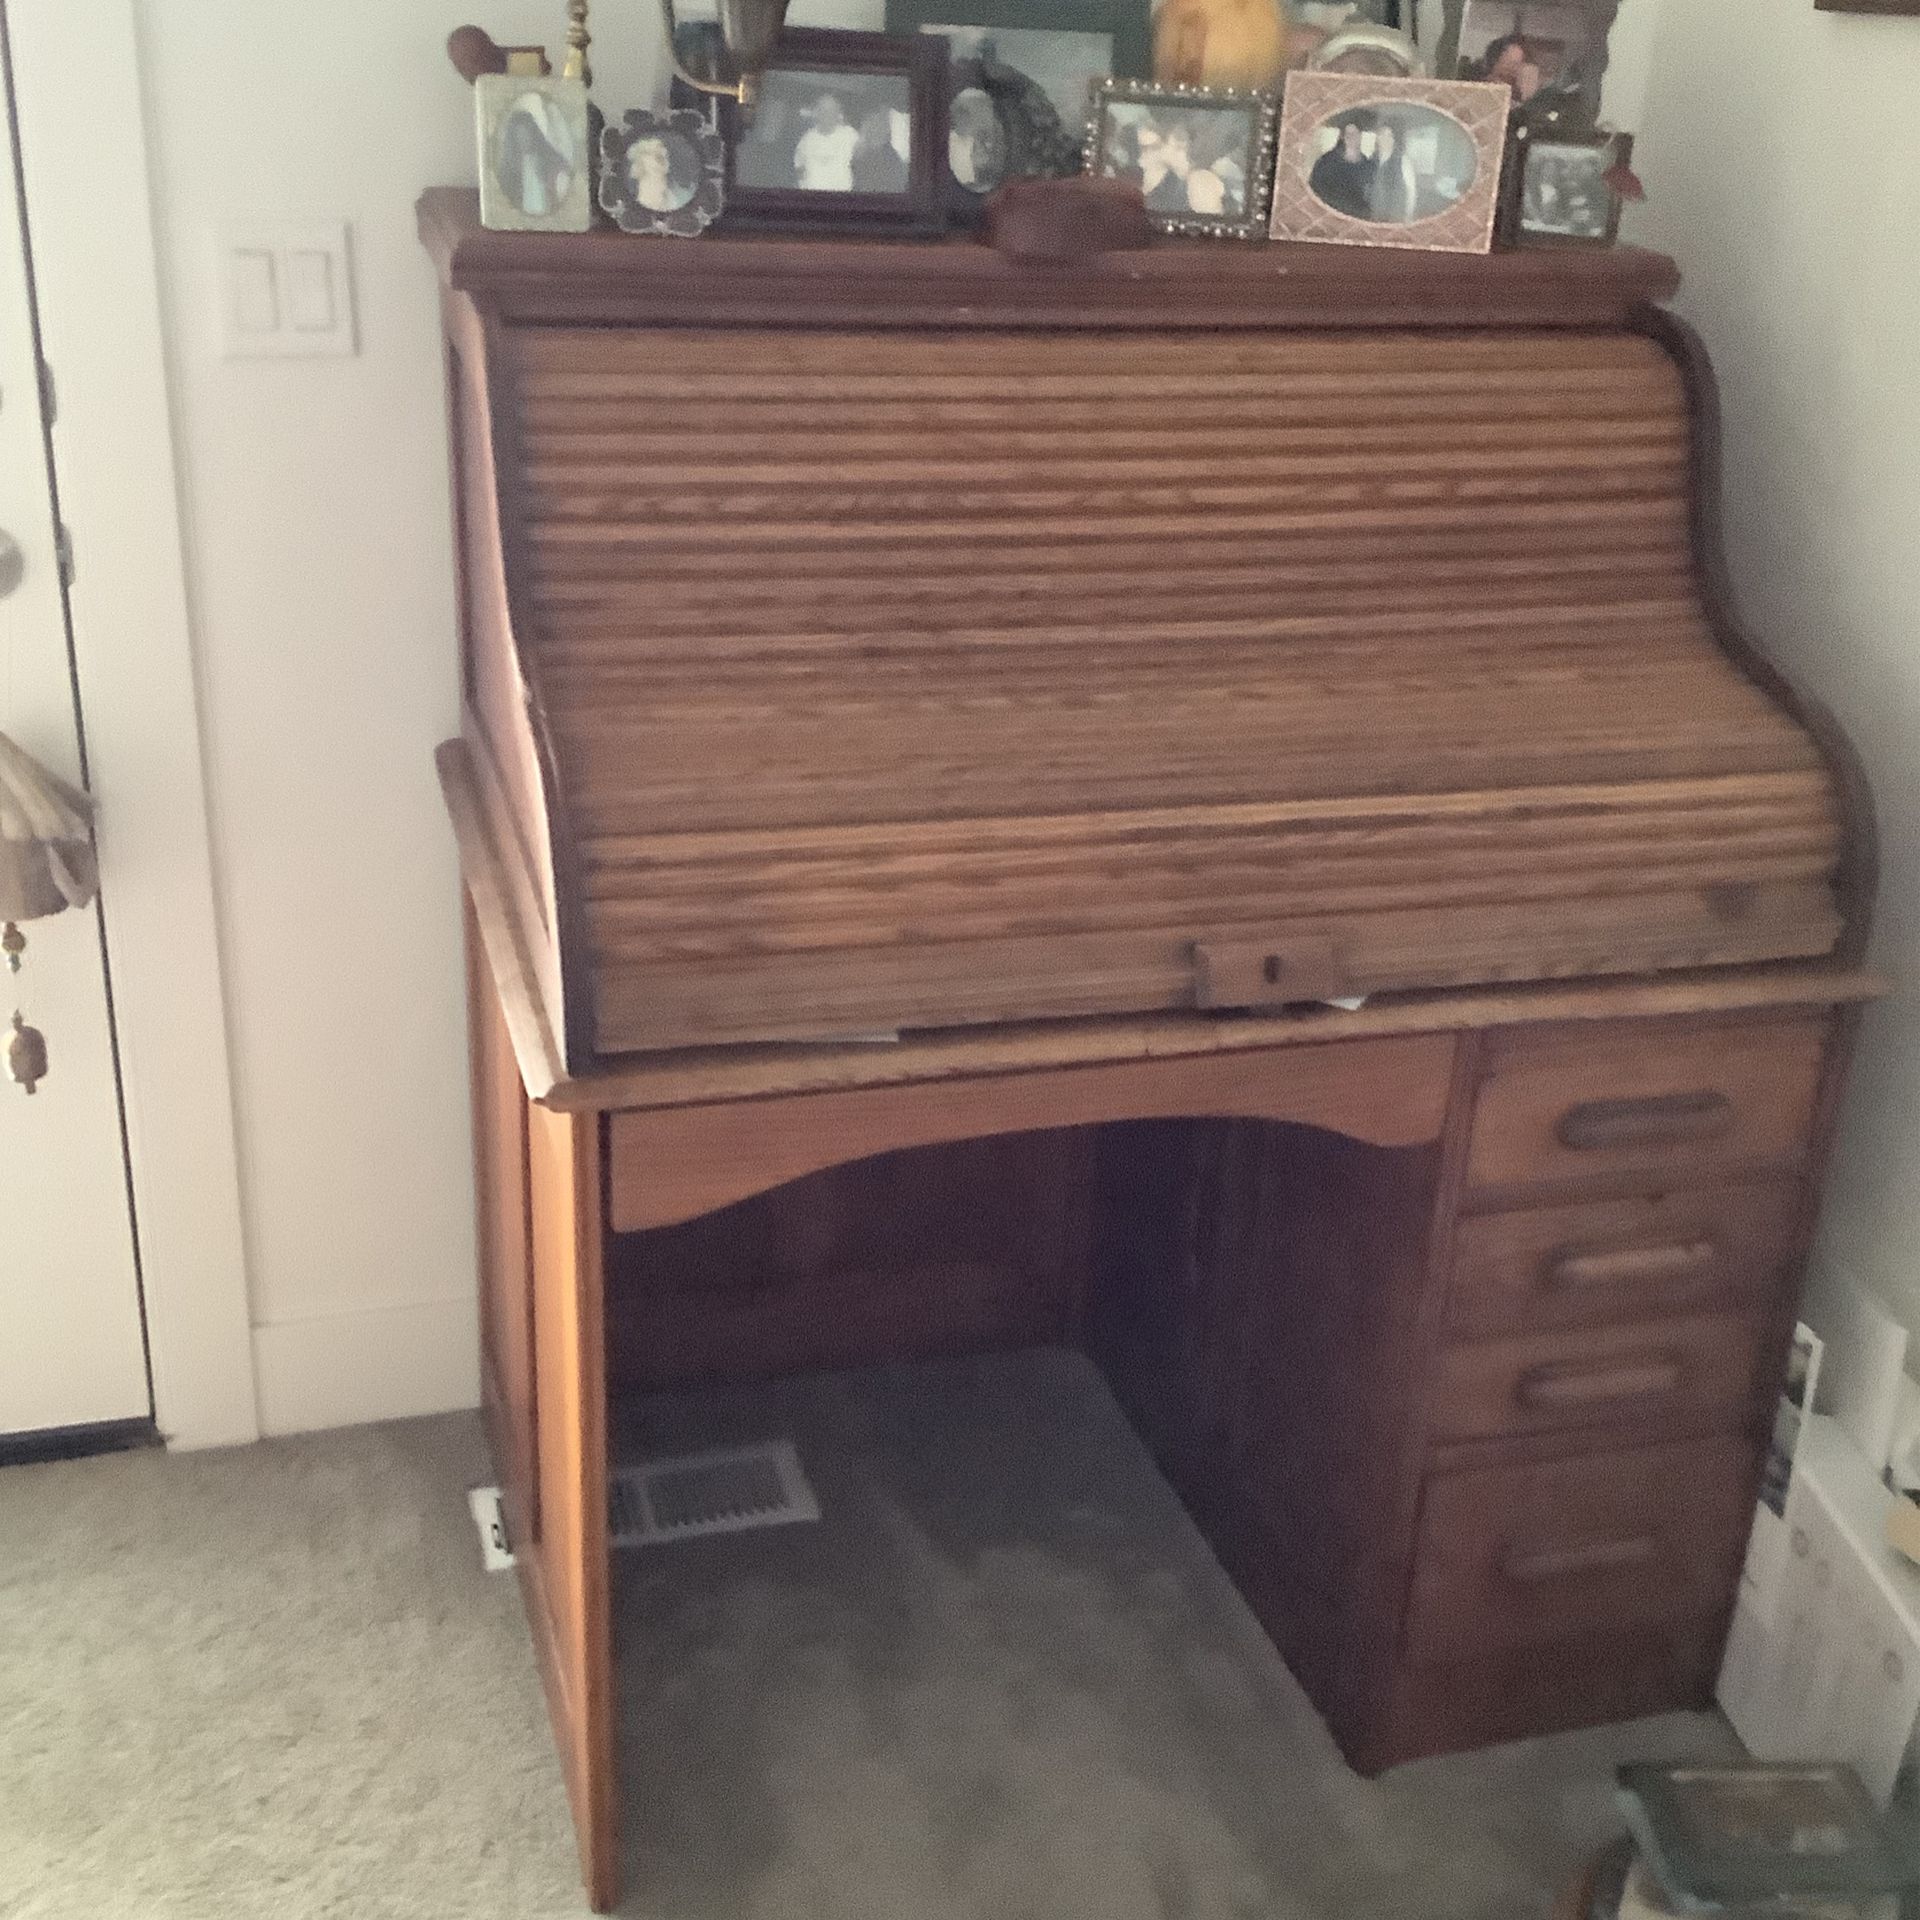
(1202, 157)
(662, 173)
(1368, 162)
(536, 153)
(1559, 193)
(1551, 55)
(849, 133)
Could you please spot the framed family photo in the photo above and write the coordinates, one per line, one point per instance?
(1561, 193)
(1202, 157)
(536, 154)
(849, 132)
(1369, 162)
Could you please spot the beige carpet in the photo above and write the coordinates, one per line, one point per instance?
(1001, 1681)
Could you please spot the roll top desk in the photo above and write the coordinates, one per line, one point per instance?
(1088, 675)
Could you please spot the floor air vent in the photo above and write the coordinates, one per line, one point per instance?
(728, 1491)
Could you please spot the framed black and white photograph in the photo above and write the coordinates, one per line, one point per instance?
(1371, 162)
(536, 154)
(1202, 157)
(1063, 46)
(1562, 192)
(1550, 54)
(849, 131)
(1020, 79)
(663, 173)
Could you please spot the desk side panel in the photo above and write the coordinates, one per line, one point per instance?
(500, 713)
(565, 1572)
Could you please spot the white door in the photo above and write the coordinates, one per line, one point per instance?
(72, 1347)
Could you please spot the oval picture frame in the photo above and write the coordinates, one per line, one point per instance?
(681, 192)
(1033, 141)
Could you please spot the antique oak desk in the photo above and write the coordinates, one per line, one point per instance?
(1088, 673)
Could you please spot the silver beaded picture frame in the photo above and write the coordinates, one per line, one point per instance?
(1201, 156)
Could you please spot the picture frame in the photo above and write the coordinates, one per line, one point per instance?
(1020, 80)
(1557, 194)
(535, 152)
(1559, 69)
(849, 134)
(663, 173)
(1001, 126)
(1202, 156)
(1372, 162)
(1318, 17)
(1911, 7)
(1384, 51)
(1015, 25)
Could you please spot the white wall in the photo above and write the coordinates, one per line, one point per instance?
(320, 572)
(1780, 148)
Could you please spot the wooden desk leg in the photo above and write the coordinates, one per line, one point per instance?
(565, 1575)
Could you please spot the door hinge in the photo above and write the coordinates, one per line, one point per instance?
(63, 552)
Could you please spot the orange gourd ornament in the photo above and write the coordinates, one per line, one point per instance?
(1220, 43)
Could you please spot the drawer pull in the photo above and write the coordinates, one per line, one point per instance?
(1564, 1563)
(1666, 1119)
(1549, 1388)
(1580, 1269)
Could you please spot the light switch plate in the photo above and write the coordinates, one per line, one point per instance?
(286, 289)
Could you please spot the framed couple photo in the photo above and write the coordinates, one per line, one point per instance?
(1375, 162)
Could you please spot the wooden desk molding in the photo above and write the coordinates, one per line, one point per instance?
(1454, 1318)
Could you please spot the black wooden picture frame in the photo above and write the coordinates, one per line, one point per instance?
(1126, 21)
(1523, 150)
(1869, 6)
(920, 209)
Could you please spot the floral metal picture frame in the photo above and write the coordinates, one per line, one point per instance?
(663, 173)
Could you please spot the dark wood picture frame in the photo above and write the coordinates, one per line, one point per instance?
(1869, 6)
(921, 59)
(1126, 20)
(1526, 144)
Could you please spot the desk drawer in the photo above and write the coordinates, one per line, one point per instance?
(1621, 1259)
(1516, 1556)
(1695, 1367)
(1648, 1100)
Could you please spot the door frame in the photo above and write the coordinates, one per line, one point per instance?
(78, 93)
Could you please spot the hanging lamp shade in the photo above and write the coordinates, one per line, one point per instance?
(46, 839)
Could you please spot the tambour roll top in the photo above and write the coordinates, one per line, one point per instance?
(866, 636)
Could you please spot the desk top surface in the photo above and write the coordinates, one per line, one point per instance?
(826, 280)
